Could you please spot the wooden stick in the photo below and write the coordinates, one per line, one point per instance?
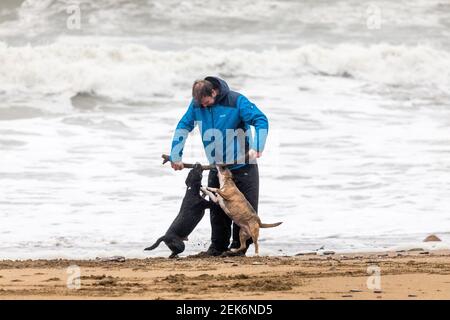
(166, 158)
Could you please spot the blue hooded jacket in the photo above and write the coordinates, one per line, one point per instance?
(218, 124)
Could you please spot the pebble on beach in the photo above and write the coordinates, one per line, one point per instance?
(431, 238)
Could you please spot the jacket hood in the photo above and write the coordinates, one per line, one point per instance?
(221, 85)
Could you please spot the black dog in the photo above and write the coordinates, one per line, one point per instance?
(191, 212)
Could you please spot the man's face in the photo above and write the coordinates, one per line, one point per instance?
(209, 101)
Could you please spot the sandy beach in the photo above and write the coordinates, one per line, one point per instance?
(404, 275)
(353, 96)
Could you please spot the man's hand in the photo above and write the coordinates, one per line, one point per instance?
(177, 165)
(253, 154)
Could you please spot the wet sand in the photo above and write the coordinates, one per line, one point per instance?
(404, 275)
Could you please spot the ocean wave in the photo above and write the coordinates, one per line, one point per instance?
(134, 72)
(116, 14)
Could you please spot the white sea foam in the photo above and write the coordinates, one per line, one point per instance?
(135, 72)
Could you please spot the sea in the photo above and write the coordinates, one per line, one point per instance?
(357, 94)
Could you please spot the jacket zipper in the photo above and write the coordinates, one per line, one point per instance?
(212, 117)
(213, 127)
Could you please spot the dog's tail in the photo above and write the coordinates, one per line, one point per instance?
(155, 245)
(269, 225)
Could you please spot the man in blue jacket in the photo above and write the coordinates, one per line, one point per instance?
(224, 118)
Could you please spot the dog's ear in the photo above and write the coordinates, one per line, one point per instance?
(189, 178)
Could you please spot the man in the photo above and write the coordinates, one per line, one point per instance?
(224, 118)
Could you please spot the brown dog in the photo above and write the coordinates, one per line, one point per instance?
(236, 206)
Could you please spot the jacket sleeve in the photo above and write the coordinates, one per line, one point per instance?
(251, 115)
(185, 125)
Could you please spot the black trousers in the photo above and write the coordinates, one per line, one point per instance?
(247, 181)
